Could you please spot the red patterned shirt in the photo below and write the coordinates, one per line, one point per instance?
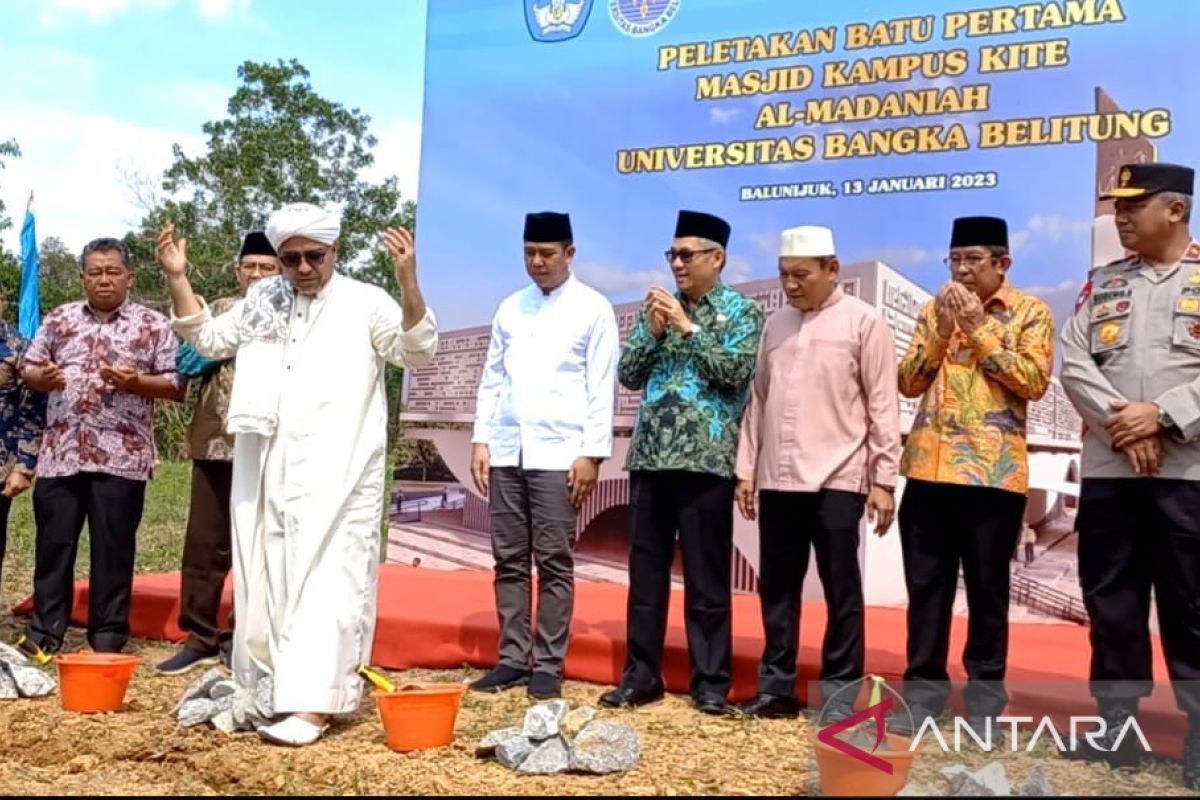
(92, 426)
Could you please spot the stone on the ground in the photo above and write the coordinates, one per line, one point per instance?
(221, 689)
(244, 708)
(550, 758)
(224, 722)
(1037, 784)
(488, 744)
(12, 655)
(575, 720)
(195, 712)
(511, 752)
(990, 781)
(264, 697)
(31, 681)
(605, 746)
(199, 687)
(541, 721)
(8, 687)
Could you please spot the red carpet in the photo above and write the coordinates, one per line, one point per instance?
(443, 620)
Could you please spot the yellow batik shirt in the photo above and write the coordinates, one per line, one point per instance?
(976, 387)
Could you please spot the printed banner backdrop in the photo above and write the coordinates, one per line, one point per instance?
(774, 114)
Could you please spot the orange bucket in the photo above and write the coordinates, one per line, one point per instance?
(843, 775)
(94, 682)
(419, 716)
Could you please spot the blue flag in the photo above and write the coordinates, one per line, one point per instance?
(29, 305)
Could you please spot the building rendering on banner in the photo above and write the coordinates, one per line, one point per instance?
(444, 392)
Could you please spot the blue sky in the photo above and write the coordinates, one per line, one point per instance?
(98, 89)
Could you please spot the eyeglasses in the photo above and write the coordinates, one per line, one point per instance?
(292, 258)
(686, 256)
(263, 269)
(971, 261)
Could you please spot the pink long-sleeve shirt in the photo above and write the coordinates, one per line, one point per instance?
(824, 412)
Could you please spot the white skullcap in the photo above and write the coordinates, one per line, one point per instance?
(303, 219)
(808, 241)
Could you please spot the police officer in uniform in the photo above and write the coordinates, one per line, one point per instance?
(1131, 366)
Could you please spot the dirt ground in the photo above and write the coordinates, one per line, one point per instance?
(141, 751)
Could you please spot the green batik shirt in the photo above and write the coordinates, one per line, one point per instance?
(694, 388)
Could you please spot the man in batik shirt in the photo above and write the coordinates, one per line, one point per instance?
(982, 352)
(22, 415)
(693, 354)
(104, 361)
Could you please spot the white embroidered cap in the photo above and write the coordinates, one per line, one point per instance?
(808, 241)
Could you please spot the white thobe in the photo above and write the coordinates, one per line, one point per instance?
(307, 502)
(546, 394)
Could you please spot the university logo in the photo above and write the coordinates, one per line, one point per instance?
(556, 20)
(642, 17)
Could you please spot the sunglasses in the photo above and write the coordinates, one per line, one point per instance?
(292, 258)
(686, 256)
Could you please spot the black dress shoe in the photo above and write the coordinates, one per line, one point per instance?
(900, 723)
(771, 706)
(836, 711)
(1103, 747)
(714, 704)
(500, 678)
(627, 696)
(544, 686)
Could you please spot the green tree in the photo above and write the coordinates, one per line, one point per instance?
(280, 142)
(58, 269)
(56, 262)
(8, 149)
(10, 269)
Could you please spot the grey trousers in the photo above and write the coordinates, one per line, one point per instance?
(533, 521)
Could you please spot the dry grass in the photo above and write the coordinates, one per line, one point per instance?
(141, 751)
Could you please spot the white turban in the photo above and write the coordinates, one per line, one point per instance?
(303, 219)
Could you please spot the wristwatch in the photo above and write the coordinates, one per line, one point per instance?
(1164, 419)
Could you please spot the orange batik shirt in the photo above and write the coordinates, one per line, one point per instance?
(970, 426)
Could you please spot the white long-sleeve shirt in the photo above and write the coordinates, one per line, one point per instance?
(548, 386)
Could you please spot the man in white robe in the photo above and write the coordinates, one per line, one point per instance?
(309, 415)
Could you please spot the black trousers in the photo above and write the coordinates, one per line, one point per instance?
(112, 508)
(943, 527)
(1135, 533)
(699, 508)
(5, 506)
(788, 523)
(206, 557)
(533, 521)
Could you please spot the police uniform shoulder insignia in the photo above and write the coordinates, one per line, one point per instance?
(1084, 294)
